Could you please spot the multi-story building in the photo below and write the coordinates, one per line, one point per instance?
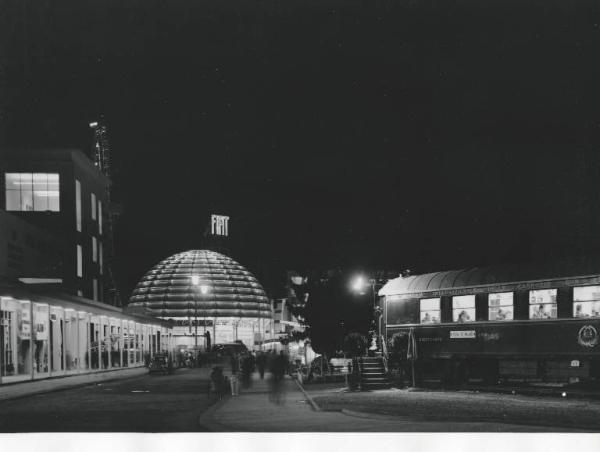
(64, 194)
(53, 233)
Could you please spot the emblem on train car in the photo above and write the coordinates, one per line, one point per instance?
(587, 336)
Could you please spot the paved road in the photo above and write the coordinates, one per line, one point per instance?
(179, 403)
(150, 403)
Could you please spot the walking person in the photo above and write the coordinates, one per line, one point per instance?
(247, 369)
(235, 369)
(278, 369)
(217, 382)
(261, 363)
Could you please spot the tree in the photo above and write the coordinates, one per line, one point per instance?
(332, 310)
(355, 345)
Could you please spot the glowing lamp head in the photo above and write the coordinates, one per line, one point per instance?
(195, 280)
(204, 289)
(358, 284)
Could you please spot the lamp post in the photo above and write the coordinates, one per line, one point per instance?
(359, 285)
(204, 289)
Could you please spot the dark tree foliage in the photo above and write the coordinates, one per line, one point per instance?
(332, 310)
(355, 345)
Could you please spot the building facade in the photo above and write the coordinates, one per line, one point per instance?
(210, 298)
(64, 194)
(54, 319)
(47, 334)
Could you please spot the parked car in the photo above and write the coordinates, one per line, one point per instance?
(229, 349)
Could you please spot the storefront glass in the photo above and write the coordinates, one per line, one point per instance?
(115, 359)
(71, 340)
(105, 343)
(57, 330)
(41, 320)
(15, 316)
(94, 342)
(138, 352)
(39, 340)
(84, 343)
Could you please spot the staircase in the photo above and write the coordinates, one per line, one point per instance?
(373, 373)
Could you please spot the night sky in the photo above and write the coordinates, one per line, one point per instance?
(378, 134)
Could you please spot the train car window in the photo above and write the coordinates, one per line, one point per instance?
(586, 301)
(542, 304)
(463, 308)
(500, 306)
(430, 310)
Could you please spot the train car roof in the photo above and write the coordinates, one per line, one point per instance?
(497, 274)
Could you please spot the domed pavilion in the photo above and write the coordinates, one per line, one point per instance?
(205, 291)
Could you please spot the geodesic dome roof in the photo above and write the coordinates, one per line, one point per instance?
(223, 288)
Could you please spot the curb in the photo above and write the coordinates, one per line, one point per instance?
(382, 417)
(523, 391)
(313, 404)
(66, 387)
(207, 422)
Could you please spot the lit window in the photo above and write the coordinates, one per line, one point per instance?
(94, 249)
(100, 217)
(79, 261)
(29, 192)
(586, 301)
(542, 304)
(93, 203)
(463, 308)
(78, 204)
(100, 257)
(500, 306)
(430, 310)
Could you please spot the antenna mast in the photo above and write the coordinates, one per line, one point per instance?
(101, 154)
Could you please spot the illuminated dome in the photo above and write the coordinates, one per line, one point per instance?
(201, 283)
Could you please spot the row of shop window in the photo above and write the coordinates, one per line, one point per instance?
(542, 305)
(38, 340)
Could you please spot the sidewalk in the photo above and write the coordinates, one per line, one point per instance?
(28, 388)
(252, 411)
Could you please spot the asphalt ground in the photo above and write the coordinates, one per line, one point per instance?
(149, 403)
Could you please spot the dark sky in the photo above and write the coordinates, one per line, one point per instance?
(390, 134)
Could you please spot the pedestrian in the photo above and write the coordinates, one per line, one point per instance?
(278, 369)
(247, 369)
(261, 363)
(235, 369)
(217, 382)
(235, 363)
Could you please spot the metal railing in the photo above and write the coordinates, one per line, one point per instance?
(384, 353)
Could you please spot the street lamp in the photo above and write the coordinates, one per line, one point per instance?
(359, 285)
(204, 289)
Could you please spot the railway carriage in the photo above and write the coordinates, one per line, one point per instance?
(511, 323)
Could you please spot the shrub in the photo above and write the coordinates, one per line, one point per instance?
(355, 344)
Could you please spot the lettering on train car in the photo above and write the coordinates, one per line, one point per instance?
(429, 339)
(490, 336)
(587, 336)
(462, 334)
